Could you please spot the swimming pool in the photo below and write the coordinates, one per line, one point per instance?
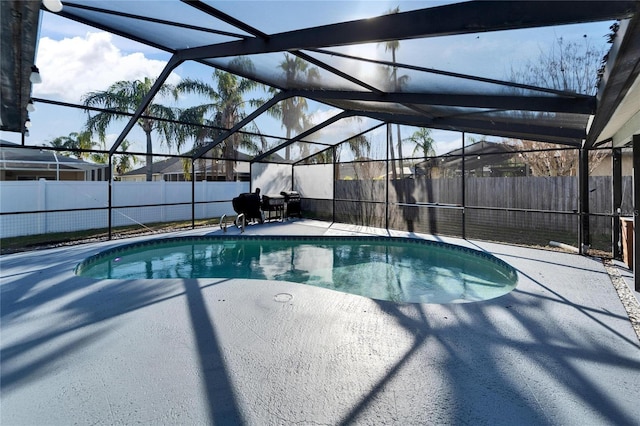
(386, 268)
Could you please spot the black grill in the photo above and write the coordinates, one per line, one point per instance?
(273, 204)
(292, 201)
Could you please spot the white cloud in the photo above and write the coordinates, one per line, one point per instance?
(74, 66)
(322, 115)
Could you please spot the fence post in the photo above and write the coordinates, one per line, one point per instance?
(110, 197)
(163, 200)
(616, 183)
(42, 206)
(193, 194)
(584, 239)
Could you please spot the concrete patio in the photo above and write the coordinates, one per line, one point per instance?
(559, 349)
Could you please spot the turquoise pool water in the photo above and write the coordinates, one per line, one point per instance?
(386, 268)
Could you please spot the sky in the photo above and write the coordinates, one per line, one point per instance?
(75, 59)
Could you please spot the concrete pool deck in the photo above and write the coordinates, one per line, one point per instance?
(559, 349)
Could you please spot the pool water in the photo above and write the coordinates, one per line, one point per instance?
(386, 268)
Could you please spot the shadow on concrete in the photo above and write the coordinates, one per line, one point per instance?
(74, 304)
(482, 386)
(84, 308)
(555, 296)
(223, 409)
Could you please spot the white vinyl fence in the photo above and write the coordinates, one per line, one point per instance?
(150, 202)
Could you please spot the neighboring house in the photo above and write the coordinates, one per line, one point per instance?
(173, 170)
(23, 163)
(481, 159)
(495, 159)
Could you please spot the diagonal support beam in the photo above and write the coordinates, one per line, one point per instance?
(341, 142)
(248, 119)
(212, 11)
(303, 135)
(336, 71)
(171, 65)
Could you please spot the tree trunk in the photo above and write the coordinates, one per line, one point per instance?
(397, 89)
(149, 157)
(392, 153)
(229, 153)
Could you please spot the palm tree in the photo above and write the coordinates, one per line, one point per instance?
(124, 162)
(359, 145)
(423, 144)
(121, 163)
(292, 110)
(393, 46)
(227, 108)
(125, 97)
(423, 141)
(74, 143)
(323, 157)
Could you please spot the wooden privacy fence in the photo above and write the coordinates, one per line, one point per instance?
(558, 194)
(528, 210)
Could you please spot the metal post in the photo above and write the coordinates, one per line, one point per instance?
(386, 202)
(110, 207)
(464, 192)
(616, 190)
(193, 194)
(584, 240)
(335, 181)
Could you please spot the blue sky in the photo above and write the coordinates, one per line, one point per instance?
(75, 59)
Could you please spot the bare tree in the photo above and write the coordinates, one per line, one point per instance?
(555, 159)
(568, 66)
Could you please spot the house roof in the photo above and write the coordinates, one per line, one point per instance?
(175, 165)
(251, 41)
(477, 155)
(17, 157)
(170, 165)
